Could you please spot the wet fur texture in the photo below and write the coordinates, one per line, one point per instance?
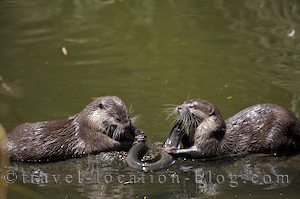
(262, 128)
(104, 125)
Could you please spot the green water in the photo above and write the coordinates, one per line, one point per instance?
(150, 53)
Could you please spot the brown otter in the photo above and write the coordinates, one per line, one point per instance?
(262, 128)
(103, 125)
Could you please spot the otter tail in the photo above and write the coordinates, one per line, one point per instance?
(165, 160)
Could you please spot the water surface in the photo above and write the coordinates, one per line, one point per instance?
(149, 53)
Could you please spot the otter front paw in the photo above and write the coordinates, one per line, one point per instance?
(140, 138)
(170, 149)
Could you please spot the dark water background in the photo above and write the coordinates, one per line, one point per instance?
(150, 53)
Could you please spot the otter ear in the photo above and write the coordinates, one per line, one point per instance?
(212, 112)
(101, 106)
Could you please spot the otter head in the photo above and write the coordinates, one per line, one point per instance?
(109, 115)
(200, 114)
(196, 109)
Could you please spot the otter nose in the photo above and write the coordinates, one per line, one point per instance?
(129, 128)
(126, 122)
(181, 109)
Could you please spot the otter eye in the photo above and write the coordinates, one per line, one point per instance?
(118, 119)
(101, 106)
(212, 112)
(191, 106)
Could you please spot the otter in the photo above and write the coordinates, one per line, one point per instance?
(103, 125)
(262, 128)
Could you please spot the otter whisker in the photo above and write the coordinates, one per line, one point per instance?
(185, 120)
(170, 105)
(190, 121)
(169, 110)
(117, 133)
(135, 118)
(186, 124)
(174, 121)
(194, 120)
(131, 110)
(106, 129)
(171, 114)
(188, 96)
(175, 118)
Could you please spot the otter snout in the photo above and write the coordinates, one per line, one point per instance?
(130, 132)
(129, 128)
(182, 109)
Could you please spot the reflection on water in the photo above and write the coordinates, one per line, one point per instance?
(150, 53)
(274, 29)
(94, 177)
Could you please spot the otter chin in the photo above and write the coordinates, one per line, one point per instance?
(103, 125)
(262, 128)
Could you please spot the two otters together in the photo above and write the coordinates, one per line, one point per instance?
(105, 125)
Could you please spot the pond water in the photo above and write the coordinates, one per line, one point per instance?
(56, 56)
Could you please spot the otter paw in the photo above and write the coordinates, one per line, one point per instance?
(169, 149)
(140, 138)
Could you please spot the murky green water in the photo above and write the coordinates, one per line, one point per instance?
(150, 53)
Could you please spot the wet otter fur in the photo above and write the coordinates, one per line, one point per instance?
(103, 125)
(262, 128)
